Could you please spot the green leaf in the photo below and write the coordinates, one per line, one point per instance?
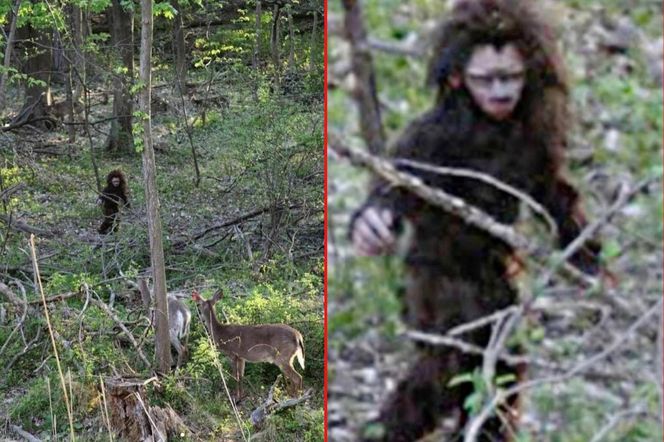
(460, 379)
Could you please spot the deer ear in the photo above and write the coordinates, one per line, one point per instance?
(217, 296)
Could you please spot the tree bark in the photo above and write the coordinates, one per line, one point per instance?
(162, 344)
(312, 45)
(77, 55)
(291, 36)
(179, 48)
(8, 51)
(37, 66)
(362, 65)
(274, 38)
(122, 37)
(254, 59)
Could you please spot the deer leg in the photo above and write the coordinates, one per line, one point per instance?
(175, 342)
(294, 378)
(238, 364)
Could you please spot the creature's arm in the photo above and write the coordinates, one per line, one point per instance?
(562, 201)
(384, 197)
(103, 197)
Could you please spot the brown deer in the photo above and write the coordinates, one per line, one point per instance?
(179, 319)
(278, 344)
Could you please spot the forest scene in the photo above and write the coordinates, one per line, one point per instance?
(162, 155)
(593, 355)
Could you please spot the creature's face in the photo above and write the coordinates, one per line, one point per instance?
(115, 181)
(495, 78)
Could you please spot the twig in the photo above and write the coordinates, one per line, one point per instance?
(16, 301)
(591, 229)
(638, 410)
(105, 417)
(120, 324)
(160, 436)
(28, 346)
(51, 333)
(436, 339)
(395, 48)
(474, 425)
(468, 173)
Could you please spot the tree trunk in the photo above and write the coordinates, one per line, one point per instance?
(77, 57)
(179, 49)
(274, 38)
(312, 45)
(254, 59)
(162, 344)
(8, 51)
(131, 418)
(37, 66)
(122, 38)
(291, 37)
(69, 56)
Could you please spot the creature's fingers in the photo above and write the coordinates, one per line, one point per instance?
(376, 221)
(362, 248)
(364, 235)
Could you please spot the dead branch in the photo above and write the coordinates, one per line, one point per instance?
(457, 206)
(475, 424)
(270, 406)
(55, 298)
(5, 194)
(11, 297)
(120, 324)
(467, 173)
(24, 227)
(24, 434)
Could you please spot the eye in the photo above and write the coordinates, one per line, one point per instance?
(516, 76)
(480, 80)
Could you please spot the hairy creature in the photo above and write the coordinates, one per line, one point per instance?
(501, 109)
(114, 196)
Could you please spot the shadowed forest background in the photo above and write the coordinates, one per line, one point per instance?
(598, 354)
(237, 131)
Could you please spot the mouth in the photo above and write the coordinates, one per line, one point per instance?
(500, 107)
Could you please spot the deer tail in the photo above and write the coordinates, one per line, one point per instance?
(300, 351)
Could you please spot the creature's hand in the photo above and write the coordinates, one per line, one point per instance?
(99, 201)
(373, 232)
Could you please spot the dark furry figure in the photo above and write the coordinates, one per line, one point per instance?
(501, 110)
(112, 197)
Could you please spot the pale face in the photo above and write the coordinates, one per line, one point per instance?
(495, 78)
(115, 181)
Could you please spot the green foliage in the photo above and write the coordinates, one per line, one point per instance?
(164, 9)
(306, 423)
(41, 408)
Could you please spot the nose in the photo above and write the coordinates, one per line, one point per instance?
(500, 90)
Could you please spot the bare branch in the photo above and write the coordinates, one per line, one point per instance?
(365, 92)
(457, 206)
(474, 425)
